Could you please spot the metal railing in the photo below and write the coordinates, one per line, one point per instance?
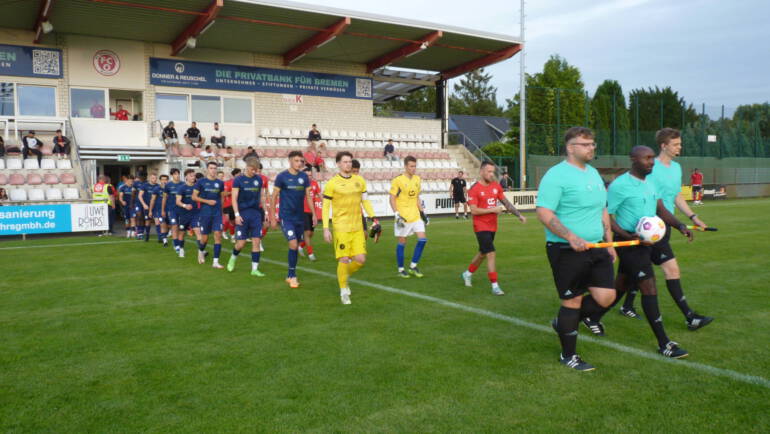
(472, 147)
(75, 151)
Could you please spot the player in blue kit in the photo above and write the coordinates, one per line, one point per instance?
(169, 206)
(145, 198)
(209, 192)
(126, 194)
(156, 210)
(140, 212)
(248, 193)
(292, 188)
(186, 208)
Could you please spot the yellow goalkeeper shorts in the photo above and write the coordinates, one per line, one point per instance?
(349, 244)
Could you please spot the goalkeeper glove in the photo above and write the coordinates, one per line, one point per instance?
(376, 230)
(399, 220)
(424, 218)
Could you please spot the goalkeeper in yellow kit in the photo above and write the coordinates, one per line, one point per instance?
(343, 196)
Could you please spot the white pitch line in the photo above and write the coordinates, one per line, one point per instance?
(720, 372)
(41, 246)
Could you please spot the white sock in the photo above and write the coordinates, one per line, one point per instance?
(254, 266)
(400, 269)
(181, 251)
(412, 265)
(495, 285)
(216, 261)
(467, 274)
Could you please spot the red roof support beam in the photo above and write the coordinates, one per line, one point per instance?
(497, 56)
(404, 51)
(313, 43)
(42, 16)
(197, 27)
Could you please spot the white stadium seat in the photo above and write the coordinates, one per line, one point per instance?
(293, 142)
(48, 163)
(296, 133)
(378, 135)
(272, 142)
(265, 132)
(283, 142)
(71, 193)
(333, 134)
(2, 164)
(17, 194)
(64, 164)
(285, 132)
(36, 194)
(261, 142)
(31, 163)
(53, 194)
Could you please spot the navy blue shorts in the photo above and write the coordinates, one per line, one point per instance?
(293, 230)
(251, 227)
(185, 221)
(210, 223)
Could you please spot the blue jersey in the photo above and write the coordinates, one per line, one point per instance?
(157, 193)
(249, 191)
(128, 194)
(147, 190)
(292, 195)
(186, 192)
(210, 189)
(170, 191)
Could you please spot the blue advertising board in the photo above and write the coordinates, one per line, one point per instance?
(184, 73)
(18, 60)
(43, 219)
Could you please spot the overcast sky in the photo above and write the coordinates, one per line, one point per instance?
(711, 51)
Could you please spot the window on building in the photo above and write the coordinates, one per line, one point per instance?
(237, 110)
(206, 109)
(170, 107)
(88, 103)
(7, 98)
(36, 100)
(125, 105)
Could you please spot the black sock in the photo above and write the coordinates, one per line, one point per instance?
(590, 309)
(630, 297)
(652, 312)
(675, 289)
(567, 325)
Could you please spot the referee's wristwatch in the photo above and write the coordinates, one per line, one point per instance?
(692, 216)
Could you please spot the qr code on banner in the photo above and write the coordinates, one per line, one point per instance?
(363, 88)
(45, 62)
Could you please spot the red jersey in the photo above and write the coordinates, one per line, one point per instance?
(696, 179)
(121, 115)
(485, 197)
(228, 193)
(318, 204)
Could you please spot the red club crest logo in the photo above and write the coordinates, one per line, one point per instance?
(106, 62)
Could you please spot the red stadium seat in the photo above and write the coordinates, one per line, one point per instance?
(47, 149)
(187, 151)
(68, 178)
(16, 179)
(197, 152)
(3, 179)
(50, 179)
(34, 179)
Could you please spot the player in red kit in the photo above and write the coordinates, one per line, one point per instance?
(696, 180)
(306, 246)
(483, 199)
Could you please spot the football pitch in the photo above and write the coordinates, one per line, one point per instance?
(105, 335)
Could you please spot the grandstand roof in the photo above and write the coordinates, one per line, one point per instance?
(296, 31)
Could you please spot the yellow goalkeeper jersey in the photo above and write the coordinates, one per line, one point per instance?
(346, 196)
(406, 191)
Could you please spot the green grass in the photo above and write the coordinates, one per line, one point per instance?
(127, 337)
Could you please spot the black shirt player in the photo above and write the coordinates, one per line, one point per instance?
(459, 191)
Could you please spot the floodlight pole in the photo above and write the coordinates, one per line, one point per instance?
(522, 110)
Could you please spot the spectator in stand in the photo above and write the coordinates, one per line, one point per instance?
(169, 135)
(61, 145)
(229, 158)
(390, 151)
(32, 145)
(97, 110)
(122, 114)
(218, 136)
(506, 182)
(3, 195)
(207, 155)
(250, 152)
(312, 159)
(314, 135)
(193, 136)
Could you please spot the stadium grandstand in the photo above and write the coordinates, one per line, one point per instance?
(112, 74)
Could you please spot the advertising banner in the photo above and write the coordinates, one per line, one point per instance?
(21, 61)
(204, 75)
(41, 219)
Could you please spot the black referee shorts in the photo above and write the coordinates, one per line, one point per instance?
(661, 251)
(309, 222)
(458, 198)
(574, 272)
(636, 262)
(486, 241)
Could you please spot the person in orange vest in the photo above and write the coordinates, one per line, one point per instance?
(103, 193)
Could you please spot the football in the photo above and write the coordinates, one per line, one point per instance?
(651, 229)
